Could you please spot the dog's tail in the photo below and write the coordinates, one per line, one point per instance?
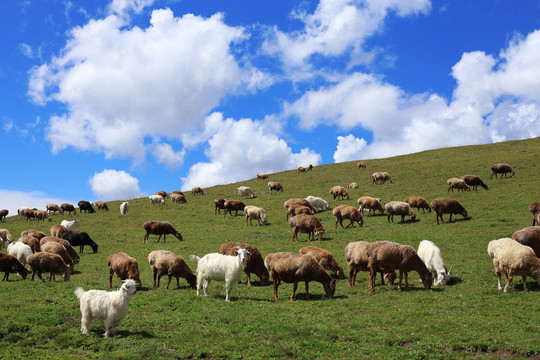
(79, 292)
(194, 257)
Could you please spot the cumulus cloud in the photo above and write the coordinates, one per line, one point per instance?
(349, 148)
(165, 154)
(239, 149)
(110, 185)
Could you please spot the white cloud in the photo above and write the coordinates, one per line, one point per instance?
(110, 185)
(241, 149)
(349, 148)
(13, 200)
(165, 154)
(26, 50)
(121, 7)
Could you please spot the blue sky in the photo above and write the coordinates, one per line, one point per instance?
(111, 100)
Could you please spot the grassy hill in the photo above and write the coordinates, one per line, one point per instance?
(469, 318)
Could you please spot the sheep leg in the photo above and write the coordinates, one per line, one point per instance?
(382, 278)
(154, 273)
(406, 280)
(498, 273)
(450, 220)
(307, 291)
(205, 287)
(276, 282)
(372, 275)
(84, 324)
(248, 281)
(295, 286)
(400, 280)
(352, 276)
(509, 277)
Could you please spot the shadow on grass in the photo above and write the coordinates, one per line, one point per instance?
(139, 333)
(454, 280)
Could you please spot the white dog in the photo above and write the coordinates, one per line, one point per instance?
(110, 306)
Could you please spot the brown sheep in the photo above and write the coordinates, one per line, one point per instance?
(529, 236)
(339, 192)
(399, 208)
(57, 248)
(293, 268)
(31, 241)
(177, 192)
(68, 207)
(37, 234)
(125, 267)
(48, 262)
(535, 209)
(177, 198)
(274, 185)
(167, 263)
(357, 257)
(262, 176)
(50, 207)
(306, 224)
(347, 212)
(219, 204)
(418, 203)
(455, 183)
(388, 256)
(370, 203)
(235, 205)
(162, 193)
(161, 228)
(69, 249)
(474, 181)
(197, 191)
(303, 169)
(10, 264)
(502, 169)
(325, 258)
(101, 205)
(254, 263)
(42, 215)
(30, 214)
(294, 210)
(361, 165)
(352, 185)
(296, 201)
(58, 230)
(381, 177)
(448, 206)
(3, 214)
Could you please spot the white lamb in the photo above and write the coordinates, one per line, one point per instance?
(318, 203)
(20, 250)
(156, 199)
(109, 306)
(220, 267)
(124, 208)
(431, 256)
(70, 224)
(245, 191)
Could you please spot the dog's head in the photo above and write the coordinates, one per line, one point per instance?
(129, 286)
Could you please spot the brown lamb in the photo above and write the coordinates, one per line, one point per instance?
(164, 262)
(535, 209)
(69, 208)
(161, 228)
(233, 205)
(48, 262)
(10, 264)
(219, 204)
(474, 181)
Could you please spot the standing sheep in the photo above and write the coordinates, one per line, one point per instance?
(10, 264)
(502, 169)
(357, 257)
(316, 203)
(68, 207)
(101, 205)
(399, 208)
(156, 199)
(53, 208)
(235, 205)
(69, 249)
(167, 263)
(57, 248)
(197, 191)
(529, 236)
(294, 210)
(78, 238)
(371, 204)
(20, 250)
(348, 212)
(535, 209)
(5, 238)
(31, 241)
(474, 181)
(124, 208)
(177, 198)
(325, 258)
(254, 263)
(274, 185)
(125, 267)
(306, 224)
(254, 212)
(48, 262)
(262, 176)
(339, 192)
(245, 191)
(381, 178)
(361, 165)
(3, 214)
(161, 228)
(58, 230)
(303, 169)
(455, 183)
(431, 256)
(418, 202)
(219, 204)
(448, 206)
(304, 202)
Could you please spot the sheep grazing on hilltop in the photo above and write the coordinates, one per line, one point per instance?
(294, 210)
(306, 224)
(30, 214)
(58, 230)
(42, 215)
(418, 203)
(448, 206)
(125, 267)
(361, 165)
(31, 241)
(254, 212)
(68, 207)
(20, 250)
(219, 204)
(399, 208)
(161, 228)
(274, 185)
(156, 199)
(348, 212)
(101, 205)
(387, 256)
(220, 267)
(245, 191)
(381, 178)
(177, 198)
(48, 262)
(71, 224)
(325, 258)
(54, 208)
(431, 256)
(303, 169)
(254, 263)
(339, 192)
(163, 194)
(5, 238)
(371, 204)
(167, 263)
(357, 257)
(535, 209)
(3, 214)
(294, 268)
(59, 249)
(197, 191)
(352, 185)
(86, 206)
(177, 192)
(502, 169)
(10, 264)
(317, 203)
(124, 208)
(22, 211)
(510, 257)
(77, 238)
(233, 205)
(529, 236)
(455, 183)
(303, 202)
(262, 176)
(474, 181)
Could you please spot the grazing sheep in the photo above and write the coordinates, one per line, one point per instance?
(387, 256)
(381, 178)
(31, 241)
(220, 267)
(124, 208)
(254, 212)
(235, 205)
(5, 238)
(20, 250)
(30, 214)
(339, 192)
(219, 204)
(448, 206)
(347, 212)
(535, 209)
(352, 185)
(177, 192)
(303, 202)
(254, 263)
(156, 199)
(418, 202)
(161, 228)
(177, 198)
(262, 176)
(316, 203)
(245, 191)
(357, 257)
(303, 169)
(80, 239)
(70, 224)
(294, 210)
(325, 258)
(371, 204)
(37, 234)
(306, 224)
(69, 249)
(197, 191)
(22, 211)
(511, 257)
(111, 307)
(502, 169)
(164, 262)
(293, 268)
(69, 208)
(474, 181)
(274, 185)
(529, 236)
(163, 194)
(48, 262)
(123, 266)
(101, 205)
(54, 208)
(361, 165)
(10, 264)
(455, 183)
(85, 206)
(42, 215)
(431, 256)
(399, 208)
(57, 248)
(58, 230)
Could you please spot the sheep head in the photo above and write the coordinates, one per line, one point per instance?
(443, 276)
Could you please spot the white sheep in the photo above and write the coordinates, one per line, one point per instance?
(318, 203)
(431, 256)
(5, 238)
(20, 250)
(124, 208)
(455, 183)
(70, 224)
(245, 191)
(215, 266)
(156, 199)
(399, 208)
(255, 212)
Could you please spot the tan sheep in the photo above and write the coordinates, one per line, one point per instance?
(197, 191)
(37, 234)
(5, 238)
(339, 192)
(371, 204)
(352, 185)
(306, 224)
(101, 205)
(381, 177)
(303, 169)
(351, 213)
(58, 230)
(59, 249)
(357, 257)
(361, 165)
(50, 207)
(455, 183)
(262, 176)
(254, 212)
(177, 198)
(529, 236)
(535, 209)
(294, 210)
(418, 203)
(325, 258)
(399, 208)
(296, 201)
(274, 185)
(31, 241)
(124, 266)
(69, 249)
(164, 262)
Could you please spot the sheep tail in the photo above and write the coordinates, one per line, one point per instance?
(194, 257)
(79, 292)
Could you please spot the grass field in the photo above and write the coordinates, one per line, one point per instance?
(469, 318)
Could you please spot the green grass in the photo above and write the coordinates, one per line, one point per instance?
(469, 318)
